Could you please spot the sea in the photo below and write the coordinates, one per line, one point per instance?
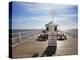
(30, 32)
(72, 32)
(24, 32)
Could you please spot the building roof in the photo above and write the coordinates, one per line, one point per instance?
(51, 23)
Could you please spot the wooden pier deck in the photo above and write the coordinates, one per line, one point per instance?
(28, 48)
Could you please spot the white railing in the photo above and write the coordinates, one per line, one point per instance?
(21, 37)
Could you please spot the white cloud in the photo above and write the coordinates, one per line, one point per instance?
(42, 14)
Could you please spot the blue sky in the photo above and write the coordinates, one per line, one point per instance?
(36, 15)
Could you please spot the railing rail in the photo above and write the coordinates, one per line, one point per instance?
(21, 37)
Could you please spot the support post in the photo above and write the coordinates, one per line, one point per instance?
(20, 37)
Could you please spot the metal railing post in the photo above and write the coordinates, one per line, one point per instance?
(20, 37)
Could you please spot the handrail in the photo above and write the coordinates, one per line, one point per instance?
(17, 33)
(20, 36)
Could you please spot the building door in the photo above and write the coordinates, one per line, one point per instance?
(55, 29)
(47, 28)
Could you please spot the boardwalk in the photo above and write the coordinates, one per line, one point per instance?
(29, 47)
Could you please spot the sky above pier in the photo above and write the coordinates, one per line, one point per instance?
(26, 15)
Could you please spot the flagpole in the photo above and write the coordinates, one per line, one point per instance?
(52, 19)
(52, 15)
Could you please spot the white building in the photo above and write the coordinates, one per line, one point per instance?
(51, 26)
